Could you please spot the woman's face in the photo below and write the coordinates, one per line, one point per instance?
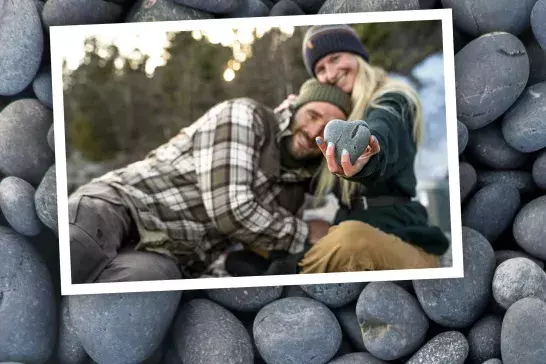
(338, 69)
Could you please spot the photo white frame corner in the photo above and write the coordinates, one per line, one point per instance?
(57, 33)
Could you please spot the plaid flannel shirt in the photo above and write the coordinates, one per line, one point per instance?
(206, 188)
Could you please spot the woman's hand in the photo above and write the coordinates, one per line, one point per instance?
(286, 103)
(347, 169)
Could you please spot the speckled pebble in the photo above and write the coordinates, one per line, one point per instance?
(334, 294)
(250, 299)
(450, 347)
(484, 339)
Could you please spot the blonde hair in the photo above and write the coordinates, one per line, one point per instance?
(371, 83)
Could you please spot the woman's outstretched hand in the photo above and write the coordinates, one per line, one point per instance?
(286, 103)
(347, 169)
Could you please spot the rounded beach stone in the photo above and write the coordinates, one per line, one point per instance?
(518, 278)
(504, 255)
(356, 358)
(477, 17)
(538, 15)
(484, 339)
(42, 88)
(450, 347)
(250, 299)
(524, 332)
(27, 301)
(348, 6)
(334, 294)
(522, 180)
(491, 73)
(79, 12)
(296, 330)
(353, 136)
(493, 361)
(249, 9)
(21, 45)
(163, 10)
(122, 327)
(69, 349)
(392, 322)
(537, 61)
(205, 332)
(488, 146)
(459, 302)
(539, 170)
(286, 7)
(524, 125)
(51, 137)
(462, 135)
(25, 123)
(45, 200)
(346, 316)
(212, 6)
(17, 204)
(486, 215)
(310, 6)
(468, 179)
(529, 229)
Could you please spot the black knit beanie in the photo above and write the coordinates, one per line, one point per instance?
(321, 40)
(313, 90)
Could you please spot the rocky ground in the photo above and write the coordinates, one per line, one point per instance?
(495, 314)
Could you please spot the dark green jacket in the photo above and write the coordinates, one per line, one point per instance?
(391, 172)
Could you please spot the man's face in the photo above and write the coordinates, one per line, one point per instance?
(308, 124)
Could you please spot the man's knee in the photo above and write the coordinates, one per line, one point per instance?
(130, 266)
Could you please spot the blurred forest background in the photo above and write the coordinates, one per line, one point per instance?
(117, 108)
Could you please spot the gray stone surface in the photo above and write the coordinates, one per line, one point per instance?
(163, 10)
(462, 136)
(17, 204)
(467, 180)
(504, 255)
(69, 348)
(484, 214)
(484, 339)
(286, 7)
(518, 278)
(346, 316)
(250, 299)
(79, 12)
(294, 291)
(493, 361)
(354, 136)
(427, 4)
(537, 60)
(539, 170)
(296, 330)
(459, 302)
(392, 322)
(21, 45)
(351, 6)
(334, 294)
(356, 358)
(538, 24)
(249, 9)
(24, 151)
(529, 228)
(51, 137)
(491, 72)
(524, 332)
(122, 328)
(27, 302)
(522, 180)
(205, 332)
(42, 88)
(212, 6)
(45, 200)
(488, 146)
(450, 347)
(524, 125)
(477, 17)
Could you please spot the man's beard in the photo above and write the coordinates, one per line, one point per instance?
(302, 154)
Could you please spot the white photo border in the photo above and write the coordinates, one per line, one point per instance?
(455, 271)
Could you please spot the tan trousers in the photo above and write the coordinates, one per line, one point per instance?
(354, 246)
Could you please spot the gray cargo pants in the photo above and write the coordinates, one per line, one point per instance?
(102, 239)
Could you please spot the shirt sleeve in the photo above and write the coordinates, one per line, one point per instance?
(227, 155)
(393, 130)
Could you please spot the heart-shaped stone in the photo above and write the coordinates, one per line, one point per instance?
(352, 136)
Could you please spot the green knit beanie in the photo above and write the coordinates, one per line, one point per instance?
(313, 90)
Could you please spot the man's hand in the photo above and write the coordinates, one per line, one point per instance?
(317, 230)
